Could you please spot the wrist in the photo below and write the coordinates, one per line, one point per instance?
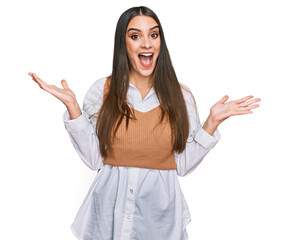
(211, 120)
(210, 125)
(74, 110)
(72, 105)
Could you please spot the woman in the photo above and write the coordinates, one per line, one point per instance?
(140, 129)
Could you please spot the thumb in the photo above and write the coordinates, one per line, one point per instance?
(224, 99)
(64, 84)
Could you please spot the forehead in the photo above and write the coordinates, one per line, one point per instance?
(142, 22)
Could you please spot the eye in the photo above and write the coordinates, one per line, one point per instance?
(134, 36)
(155, 35)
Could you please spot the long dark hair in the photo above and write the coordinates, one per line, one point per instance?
(165, 83)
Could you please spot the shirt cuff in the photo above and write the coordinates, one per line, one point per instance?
(77, 124)
(205, 139)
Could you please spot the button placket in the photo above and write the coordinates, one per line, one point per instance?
(130, 203)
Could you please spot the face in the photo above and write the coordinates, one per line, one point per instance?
(142, 44)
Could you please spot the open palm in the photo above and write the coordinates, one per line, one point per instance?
(221, 110)
(64, 94)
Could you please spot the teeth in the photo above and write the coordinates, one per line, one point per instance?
(146, 54)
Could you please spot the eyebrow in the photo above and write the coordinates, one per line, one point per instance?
(136, 29)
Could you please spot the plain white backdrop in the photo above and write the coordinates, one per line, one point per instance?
(239, 48)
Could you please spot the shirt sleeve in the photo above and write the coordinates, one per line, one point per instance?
(81, 130)
(199, 142)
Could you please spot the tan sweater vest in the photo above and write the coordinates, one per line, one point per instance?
(141, 145)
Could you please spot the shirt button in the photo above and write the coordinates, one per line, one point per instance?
(128, 216)
(131, 190)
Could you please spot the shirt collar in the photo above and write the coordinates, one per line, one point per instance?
(152, 91)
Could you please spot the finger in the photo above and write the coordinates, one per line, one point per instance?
(31, 75)
(224, 99)
(34, 75)
(243, 112)
(233, 113)
(249, 107)
(43, 85)
(238, 112)
(39, 80)
(34, 78)
(244, 99)
(245, 104)
(64, 84)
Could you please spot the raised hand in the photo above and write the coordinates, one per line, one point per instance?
(222, 110)
(65, 95)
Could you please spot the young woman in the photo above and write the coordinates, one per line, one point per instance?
(140, 129)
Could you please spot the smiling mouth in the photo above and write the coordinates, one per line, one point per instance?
(146, 59)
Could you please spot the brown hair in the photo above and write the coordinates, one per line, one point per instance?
(165, 84)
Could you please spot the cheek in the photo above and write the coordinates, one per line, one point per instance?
(158, 46)
(130, 50)
(131, 57)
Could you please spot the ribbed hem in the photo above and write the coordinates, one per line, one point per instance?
(132, 163)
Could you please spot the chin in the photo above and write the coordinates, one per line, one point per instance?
(146, 73)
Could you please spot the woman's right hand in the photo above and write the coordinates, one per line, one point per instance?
(65, 95)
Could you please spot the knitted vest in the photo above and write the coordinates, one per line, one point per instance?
(141, 145)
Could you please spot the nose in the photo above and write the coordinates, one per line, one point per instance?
(146, 43)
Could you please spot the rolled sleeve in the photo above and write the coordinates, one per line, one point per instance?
(77, 124)
(205, 139)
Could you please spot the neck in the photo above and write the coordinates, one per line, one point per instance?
(141, 82)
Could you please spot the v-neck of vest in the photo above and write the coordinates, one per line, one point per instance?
(147, 112)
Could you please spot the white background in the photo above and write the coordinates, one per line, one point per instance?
(239, 191)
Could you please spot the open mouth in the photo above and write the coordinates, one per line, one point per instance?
(146, 59)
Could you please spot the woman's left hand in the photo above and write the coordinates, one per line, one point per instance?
(221, 110)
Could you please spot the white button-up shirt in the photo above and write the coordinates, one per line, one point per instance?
(130, 203)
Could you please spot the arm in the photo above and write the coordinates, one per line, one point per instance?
(202, 138)
(81, 126)
(205, 136)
